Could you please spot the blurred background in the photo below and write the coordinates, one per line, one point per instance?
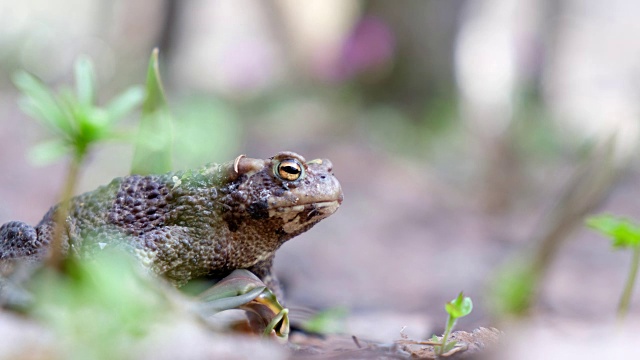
(458, 130)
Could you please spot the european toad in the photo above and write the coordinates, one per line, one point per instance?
(197, 223)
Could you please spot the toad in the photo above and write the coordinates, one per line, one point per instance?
(183, 225)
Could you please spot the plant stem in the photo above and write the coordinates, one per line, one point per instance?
(623, 306)
(451, 321)
(54, 259)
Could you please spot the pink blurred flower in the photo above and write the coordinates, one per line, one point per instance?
(369, 48)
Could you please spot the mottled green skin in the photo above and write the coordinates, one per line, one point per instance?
(184, 225)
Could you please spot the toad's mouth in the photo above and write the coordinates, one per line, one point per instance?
(325, 207)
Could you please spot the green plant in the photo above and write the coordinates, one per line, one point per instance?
(77, 124)
(328, 321)
(459, 307)
(244, 290)
(74, 118)
(513, 289)
(624, 235)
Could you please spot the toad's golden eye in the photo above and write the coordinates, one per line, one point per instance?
(289, 169)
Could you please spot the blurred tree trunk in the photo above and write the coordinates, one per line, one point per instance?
(169, 24)
(495, 66)
(425, 33)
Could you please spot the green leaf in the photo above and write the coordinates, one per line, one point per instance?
(245, 291)
(125, 103)
(47, 152)
(156, 98)
(450, 345)
(152, 153)
(237, 283)
(218, 302)
(623, 232)
(85, 82)
(459, 307)
(40, 103)
(68, 104)
(280, 325)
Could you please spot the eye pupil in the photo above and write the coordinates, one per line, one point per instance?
(290, 169)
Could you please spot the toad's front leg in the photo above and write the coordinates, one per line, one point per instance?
(20, 248)
(19, 240)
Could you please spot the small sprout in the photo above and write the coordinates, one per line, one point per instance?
(459, 307)
(624, 235)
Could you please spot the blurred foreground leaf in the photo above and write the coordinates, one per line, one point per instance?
(99, 307)
(208, 131)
